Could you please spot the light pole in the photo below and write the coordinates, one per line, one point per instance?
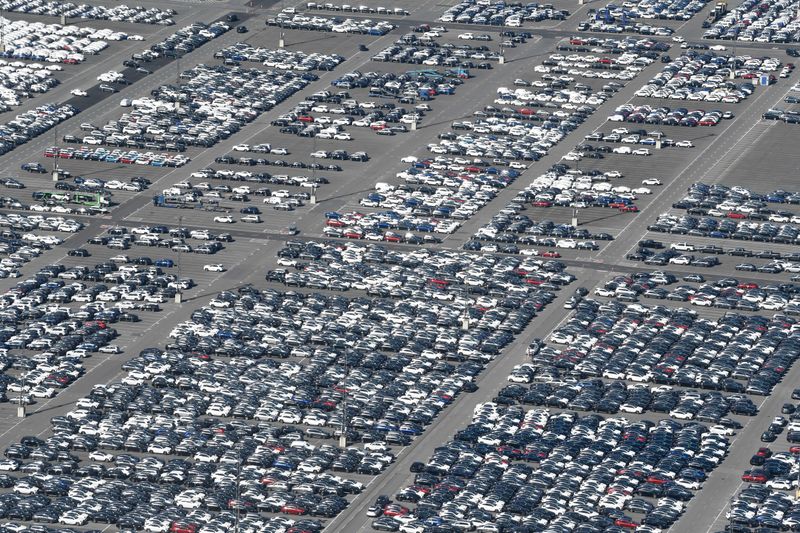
(179, 291)
(55, 155)
(21, 407)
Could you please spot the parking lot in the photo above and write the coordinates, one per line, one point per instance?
(408, 267)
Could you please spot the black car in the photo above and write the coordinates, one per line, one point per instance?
(34, 167)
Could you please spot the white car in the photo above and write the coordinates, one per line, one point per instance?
(409, 159)
(110, 348)
(721, 430)
(651, 181)
(9, 465)
(74, 518)
(103, 457)
(684, 144)
(718, 48)
(466, 36)
(78, 92)
(214, 268)
(227, 219)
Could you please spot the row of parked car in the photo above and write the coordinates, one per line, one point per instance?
(707, 77)
(297, 21)
(611, 45)
(120, 238)
(734, 228)
(408, 49)
(282, 58)
(723, 200)
(193, 114)
(32, 123)
(328, 6)
(282, 163)
(590, 473)
(788, 116)
(606, 22)
(651, 10)
(128, 157)
(680, 116)
(117, 13)
(625, 65)
(769, 21)
(512, 15)
(618, 396)
(769, 298)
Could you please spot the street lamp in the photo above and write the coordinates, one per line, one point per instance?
(179, 291)
(21, 407)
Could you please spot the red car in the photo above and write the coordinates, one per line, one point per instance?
(542, 203)
(395, 510)
(754, 477)
(183, 527)
(294, 509)
(550, 253)
(624, 522)
(794, 449)
(305, 118)
(736, 215)
(629, 209)
(764, 452)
